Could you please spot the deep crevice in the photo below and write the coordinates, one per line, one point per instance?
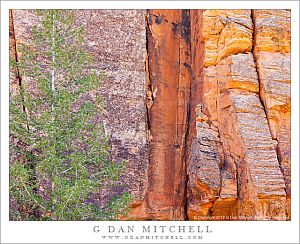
(148, 79)
(16, 59)
(148, 99)
(261, 98)
(186, 22)
(182, 30)
(257, 72)
(31, 166)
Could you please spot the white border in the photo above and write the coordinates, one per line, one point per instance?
(150, 4)
(81, 232)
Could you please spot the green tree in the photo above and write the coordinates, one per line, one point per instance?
(60, 152)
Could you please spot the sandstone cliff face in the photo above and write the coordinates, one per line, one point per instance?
(168, 93)
(198, 103)
(233, 112)
(272, 52)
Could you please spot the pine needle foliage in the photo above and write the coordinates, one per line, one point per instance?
(60, 154)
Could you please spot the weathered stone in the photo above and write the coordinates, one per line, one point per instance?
(228, 94)
(272, 52)
(272, 30)
(168, 95)
(117, 41)
(251, 146)
(123, 60)
(187, 100)
(210, 91)
(225, 32)
(240, 40)
(237, 72)
(203, 170)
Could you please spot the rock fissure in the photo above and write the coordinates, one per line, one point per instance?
(149, 93)
(14, 55)
(201, 142)
(256, 70)
(272, 58)
(260, 92)
(17, 87)
(168, 91)
(187, 28)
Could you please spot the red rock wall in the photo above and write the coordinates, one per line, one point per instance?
(198, 103)
(168, 94)
(235, 167)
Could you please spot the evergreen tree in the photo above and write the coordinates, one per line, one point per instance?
(60, 151)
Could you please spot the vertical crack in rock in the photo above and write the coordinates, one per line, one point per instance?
(204, 159)
(186, 34)
(16, 87)
(149, 93)
(271, 51)
(233, 167)
(185, 161)
(167, 92)
(257, 72)
(260, 88)
(244, 129)
(216, 104)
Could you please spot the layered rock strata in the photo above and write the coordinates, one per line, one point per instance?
(250, 182)
(197, 103)
(272, 50)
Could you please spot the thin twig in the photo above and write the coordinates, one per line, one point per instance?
(32, 197)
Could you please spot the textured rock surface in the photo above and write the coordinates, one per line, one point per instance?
(198, 103)
(272, 30)
(123, 60)
(225, 32)
(231, 98)
(117, 40)
(168, 95)
(272, 53)
(204, 169)
(252, 149)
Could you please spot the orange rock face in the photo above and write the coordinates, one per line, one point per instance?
(272, 53)
(205, 108)
(168, 41)
(239, 118)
